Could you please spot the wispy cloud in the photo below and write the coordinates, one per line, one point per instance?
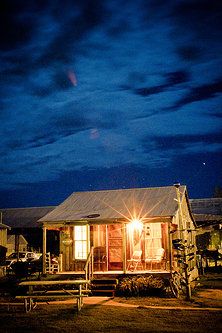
(143, 79)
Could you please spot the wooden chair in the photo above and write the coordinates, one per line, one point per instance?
(99, 258)
(157, 261)
(135, 261)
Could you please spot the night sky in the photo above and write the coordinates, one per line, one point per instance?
(108, 94)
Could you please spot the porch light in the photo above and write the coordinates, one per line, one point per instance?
(67, 241)
(136, 224)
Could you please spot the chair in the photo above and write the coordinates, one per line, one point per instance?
(135, 261)
(157, 260)
(99, 258)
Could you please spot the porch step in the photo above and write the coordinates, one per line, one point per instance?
(103, 287)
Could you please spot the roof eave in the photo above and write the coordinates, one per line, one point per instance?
(105, 221)
(4, 226)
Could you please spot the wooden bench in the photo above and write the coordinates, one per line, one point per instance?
(44, 294)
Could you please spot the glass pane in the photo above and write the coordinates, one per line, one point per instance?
(80, 249)
(80, 232)
(153, 239)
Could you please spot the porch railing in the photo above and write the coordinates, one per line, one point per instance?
(89, 265)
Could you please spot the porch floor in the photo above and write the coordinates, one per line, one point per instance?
(162, 272)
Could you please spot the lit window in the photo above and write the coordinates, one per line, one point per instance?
(80, 242)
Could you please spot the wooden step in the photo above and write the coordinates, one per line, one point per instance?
(102, 292)
(105, 281)
(103, 286)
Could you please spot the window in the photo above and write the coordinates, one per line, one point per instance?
(153, 238)
(80, 242)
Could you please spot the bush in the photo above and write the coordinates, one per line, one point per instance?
(140, 286)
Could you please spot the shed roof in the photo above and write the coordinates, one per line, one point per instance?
(207, 211)
(24, 217)
(117, 204)
(205, 220)
(211, 206)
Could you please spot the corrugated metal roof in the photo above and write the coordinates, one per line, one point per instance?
(117, 204)
(212, 206)
(207, 219)
(24, 217)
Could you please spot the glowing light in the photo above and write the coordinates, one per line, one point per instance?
(137, 224)
(67, 242)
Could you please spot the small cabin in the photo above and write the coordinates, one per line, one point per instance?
(3, 234)
(3, 244)
(11, 244)
(122, 231)
(22, 222)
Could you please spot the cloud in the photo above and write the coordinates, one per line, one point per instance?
(200, 93)
(16, 25)
(189, 53)
(182, 141)
(134, 62)
(172, 79)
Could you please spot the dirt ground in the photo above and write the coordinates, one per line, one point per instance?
(105, 317)
(144, 314)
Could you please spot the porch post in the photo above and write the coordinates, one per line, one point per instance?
(186, 267)
(170, 248)
(124, 247)
(177, 186)
(44, 250)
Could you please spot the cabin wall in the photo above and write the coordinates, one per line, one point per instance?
(3, 237)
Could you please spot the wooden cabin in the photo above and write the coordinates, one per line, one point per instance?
(23, 222)
(3, 234)
(11, 244)
(122, 231)
(207, 213)
(3, 244)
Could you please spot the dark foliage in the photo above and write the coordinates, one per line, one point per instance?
(141, 286)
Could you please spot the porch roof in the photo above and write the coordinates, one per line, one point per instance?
(123, 204)
(24, 217)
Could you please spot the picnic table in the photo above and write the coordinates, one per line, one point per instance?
(80, 291)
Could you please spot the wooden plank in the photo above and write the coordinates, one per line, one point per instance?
(48, 292)
(48, 283)
(49, 296)
(44, 250)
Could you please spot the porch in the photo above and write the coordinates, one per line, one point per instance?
(114, 249)
(117, 274)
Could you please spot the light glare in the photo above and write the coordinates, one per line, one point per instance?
(137, 224)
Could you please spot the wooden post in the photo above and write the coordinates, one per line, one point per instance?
(17, 245)
(170, 248)
(181, 228)
(107, 249)
(44, 250)
(177, 186)
(124, 248)
(60, 262)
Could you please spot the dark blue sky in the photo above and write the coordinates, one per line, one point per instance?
(108, 94)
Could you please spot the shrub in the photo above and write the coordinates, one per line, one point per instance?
(140, 286)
